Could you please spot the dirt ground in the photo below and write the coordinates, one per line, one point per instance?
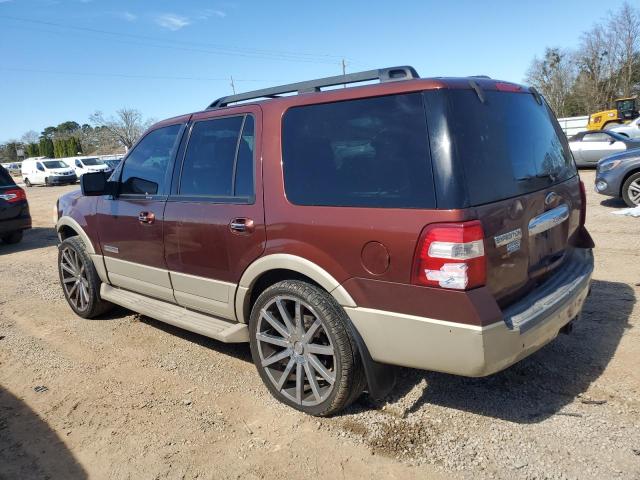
(125, 396)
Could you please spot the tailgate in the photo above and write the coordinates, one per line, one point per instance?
(526, 237)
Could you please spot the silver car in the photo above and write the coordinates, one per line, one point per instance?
(590, 146)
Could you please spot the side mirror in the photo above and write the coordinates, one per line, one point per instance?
(95, 184)
(612, 141)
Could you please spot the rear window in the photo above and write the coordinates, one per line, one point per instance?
(507, 146)
(371, 152)
(5, 178)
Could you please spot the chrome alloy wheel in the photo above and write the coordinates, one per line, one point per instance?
(295, 351)
(74, 278)
(634, 191)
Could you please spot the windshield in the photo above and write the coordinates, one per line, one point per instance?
(55, 164)
(508, 145)
(91, 162)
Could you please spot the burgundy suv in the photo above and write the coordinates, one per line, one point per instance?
(428, 223)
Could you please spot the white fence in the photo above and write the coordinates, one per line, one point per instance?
(572, 125)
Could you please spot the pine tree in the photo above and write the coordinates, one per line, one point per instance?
(46, 147)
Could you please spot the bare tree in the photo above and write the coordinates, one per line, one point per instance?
(30, 137)
(554, 76)
(625, 27)
(126, 127)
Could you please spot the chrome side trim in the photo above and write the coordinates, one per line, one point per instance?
(548, 220)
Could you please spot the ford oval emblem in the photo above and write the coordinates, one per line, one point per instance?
(550, 198)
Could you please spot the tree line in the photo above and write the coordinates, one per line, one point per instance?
(604, 66)
(101, 136)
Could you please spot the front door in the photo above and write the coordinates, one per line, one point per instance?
(214, 218)
(130, 224)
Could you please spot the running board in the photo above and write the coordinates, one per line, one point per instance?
(224, 330)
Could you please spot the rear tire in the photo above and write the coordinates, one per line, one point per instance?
(303, 349)
(79, 279)
(631, 190)
(13, 237)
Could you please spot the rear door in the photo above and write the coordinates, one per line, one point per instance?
(130, 225)
(515, 169)
(214, 218)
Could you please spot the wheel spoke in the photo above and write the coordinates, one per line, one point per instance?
(85, 294)
(286, 373)
(275, 323)
(312, 381)
(69, 279)
(299, 327)
(299, 383)
(319, 349)
(67, 257)
(277, 357)
(312, 329)
(73, 289)
(264, 337)
(285, 315)
(67, 269)
(324, 373)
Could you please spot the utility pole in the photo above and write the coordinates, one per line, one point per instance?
(233, 86)
(344, 71)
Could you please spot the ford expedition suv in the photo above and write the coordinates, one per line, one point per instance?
(342, 231)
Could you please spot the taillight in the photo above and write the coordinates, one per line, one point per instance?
(451, 255)
(583, 204)
(13, 195)
(508, 87)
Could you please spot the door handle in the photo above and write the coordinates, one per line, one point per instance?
(146, 217)
(241, 225)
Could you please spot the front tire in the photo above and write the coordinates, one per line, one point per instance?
(631, 190)
(27, 183)
(303, 349)
(13, 237)
(79, 279)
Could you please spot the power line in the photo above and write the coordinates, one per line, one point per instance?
(214, 48)
(130, 75)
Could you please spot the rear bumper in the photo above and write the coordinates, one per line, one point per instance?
(15, 224)
(473, 350)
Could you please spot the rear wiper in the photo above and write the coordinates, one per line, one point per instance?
(550, 176)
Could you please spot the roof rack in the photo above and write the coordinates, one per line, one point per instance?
(390, 74)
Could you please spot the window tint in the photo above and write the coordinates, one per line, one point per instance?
(39, 167)
(369, 153)
(244, 163)
(5, 178)
(507, 146)
(596, 137)
(210, 160)
(145, 168)
(78, 164)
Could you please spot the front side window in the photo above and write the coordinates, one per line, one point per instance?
(371, 152)
(39, 167)
(218, 160)
(78, 164)
(596, 137)
(145, 168)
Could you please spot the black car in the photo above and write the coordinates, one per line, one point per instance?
(14, 209)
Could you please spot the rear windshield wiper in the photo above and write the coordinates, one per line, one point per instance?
(551, 176)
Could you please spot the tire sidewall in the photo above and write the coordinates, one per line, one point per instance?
(625, 189)
(326, 407)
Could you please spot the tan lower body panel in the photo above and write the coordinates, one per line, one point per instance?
(467, 350)
(204, 294)
(223, 330)
(149, 281)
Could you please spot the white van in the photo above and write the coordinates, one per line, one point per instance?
(83, 165)
(46, 171)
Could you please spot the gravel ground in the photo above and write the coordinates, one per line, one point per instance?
(128, 397)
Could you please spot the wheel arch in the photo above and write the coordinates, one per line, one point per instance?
(68, 227)
(626, 177)
(271, 269)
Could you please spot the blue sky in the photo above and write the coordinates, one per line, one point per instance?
(64, 59)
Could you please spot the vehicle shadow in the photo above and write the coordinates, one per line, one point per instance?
(613, 203)
(544, 383)
(34, 238)
(29, 448)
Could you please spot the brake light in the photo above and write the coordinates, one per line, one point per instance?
(508, 87)
(451, 255)
(583, 204)
(13, 195)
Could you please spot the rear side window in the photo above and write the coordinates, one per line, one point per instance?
(145, 168)
(219, 159)
(369, 152)
(509, 145)
(5, 178)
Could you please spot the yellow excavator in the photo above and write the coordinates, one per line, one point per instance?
(625, 111)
